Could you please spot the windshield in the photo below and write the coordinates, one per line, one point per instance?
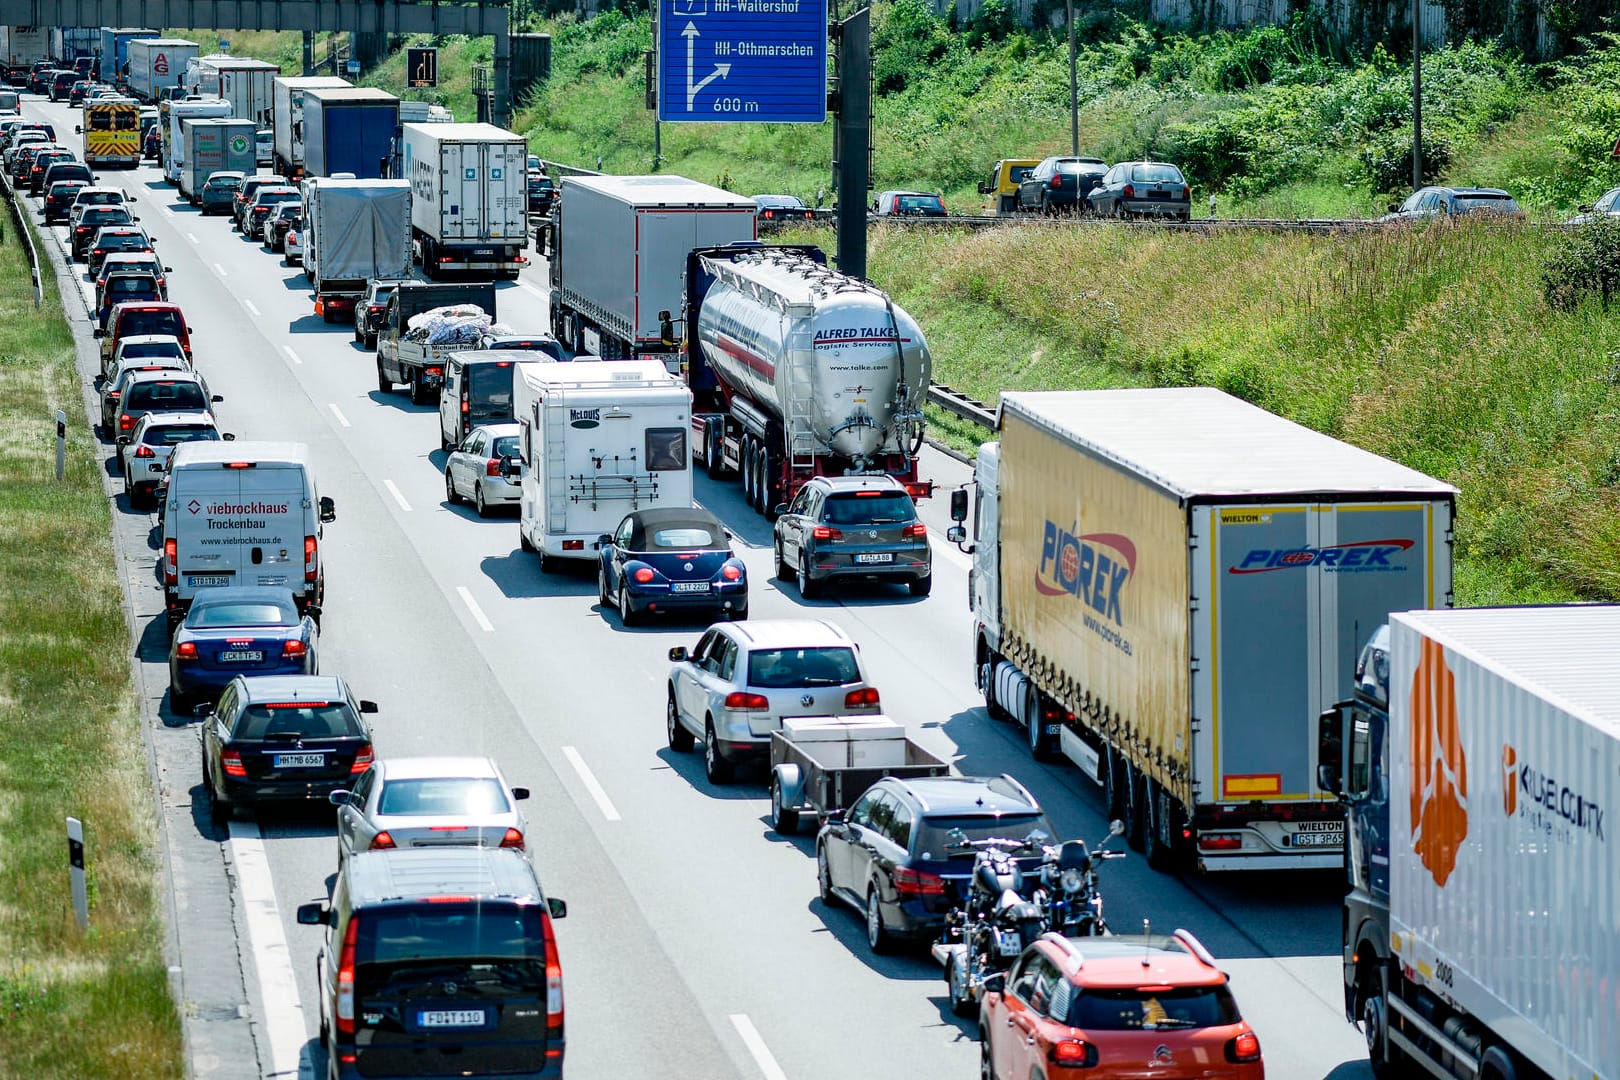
(454, 796)
(489, 391)
(235, 612)
(774, 669)
(918, 204)
(1153, 1010)
(1502, 204)
(142, 349)
(684, 538)
(1164, 174)
(163, 395)
(174, 435)
(885, 508)
(135, 323)
(310, 720)
(505, 446)
(457, 933)
(934, 832)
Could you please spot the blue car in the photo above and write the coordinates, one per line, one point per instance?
(671, 560)
(238, 630)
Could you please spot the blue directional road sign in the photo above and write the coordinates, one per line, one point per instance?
(756, 61)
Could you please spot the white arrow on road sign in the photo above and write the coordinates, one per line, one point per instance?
(720, 70)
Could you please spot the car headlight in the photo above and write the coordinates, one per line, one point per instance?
(1071, 880)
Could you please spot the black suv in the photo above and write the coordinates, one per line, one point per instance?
(1060, 184)
(852, 527)
(890, 857)
(439, 962)
(542, 193)
(370, 311)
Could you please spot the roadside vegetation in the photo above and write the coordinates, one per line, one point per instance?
(74, 1005)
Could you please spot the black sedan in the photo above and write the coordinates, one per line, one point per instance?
(126, 287)
(671, 560)
(238, 630)
(283, 739)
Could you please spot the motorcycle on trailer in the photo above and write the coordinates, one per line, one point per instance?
(1069, 891)
(998, 919)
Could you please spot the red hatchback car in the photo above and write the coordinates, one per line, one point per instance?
(1124, 1008)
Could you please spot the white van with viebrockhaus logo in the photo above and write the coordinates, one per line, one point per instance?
(242, 513)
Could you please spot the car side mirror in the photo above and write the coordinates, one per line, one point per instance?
(1585, 208)
(557, 909)
(98, 332)
(959, 504)
(228, 437)
(168, 269)
(1116, 827)
(203, 711)
(1330, 749)
(677, 655)
(956, 534)
(836, 817)
(134, 217)
(217, 398)
(123, 440)
(368, 706)
(779, 509)
(78, 129)
(993, 983)
(328, 510)
(339, 797)
(984, 189)
(316, 914)
(603, 541)
(1393, 208)
(127, 198)
(520, 793)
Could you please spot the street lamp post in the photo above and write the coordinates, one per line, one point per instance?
(1417, 98)
(1074, 97)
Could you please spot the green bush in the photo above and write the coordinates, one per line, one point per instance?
(1584, 263)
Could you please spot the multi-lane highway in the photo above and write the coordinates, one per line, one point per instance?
(695, 946)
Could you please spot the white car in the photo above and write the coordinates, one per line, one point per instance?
(430, 802)
(1607, 206)
(264, 147)
(292, 246)
(144, 454)
(473, 469)
(94, 196)
(735, 687)
(145, 349)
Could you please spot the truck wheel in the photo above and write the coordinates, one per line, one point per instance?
(1040, 741)
(1497, 1065)
(1160, 829)
(1135, 807)
(748, 471)
(1115, 788)
(1375, 1028)
(711, 456)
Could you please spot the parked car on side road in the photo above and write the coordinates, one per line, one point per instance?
(1142, 189)
(1005, 176)
(1436, 201)
(782, 208)
(908, 204)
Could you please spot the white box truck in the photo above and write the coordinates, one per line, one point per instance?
(248, 85)
(354, 231)
(599, 439)
(469, 197)
(211, 144)
(287, 118)
(172, 115)
(242, 513)
(619, 257)
(1479, 760)
(1168, 587)
(155, 64)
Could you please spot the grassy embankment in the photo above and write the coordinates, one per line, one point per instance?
(73, 1005)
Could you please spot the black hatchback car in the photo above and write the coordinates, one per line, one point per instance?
(842, 527)
(891, 857)
(675, 559)
(283, 739)
(1060, 184)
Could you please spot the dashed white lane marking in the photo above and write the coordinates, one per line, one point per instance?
(291, 355)
(761, 1053)
(165, 209)
(394, 491)
(221, 269)
(251, 309)
(278, 987)
(474, 610)
(193, 238)
(588, 778)
(337, 412)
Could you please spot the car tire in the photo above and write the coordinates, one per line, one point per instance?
(602, 597)
(220, 811)
(627, 611)
(385, 385)
(180, 702)
(878, 938)
(922, 586)
(784, 572)
(738, 614)
(680, 740)
(716, 769)
(371, 341)
(962, 1003)
(824, 883)
(783, 820)
(478, 500)
(809, 588)
(450, 494)
(1046, 207)
(357, 335)
(987, 1058)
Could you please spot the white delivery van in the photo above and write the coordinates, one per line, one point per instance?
(242, 513)
(600, 438)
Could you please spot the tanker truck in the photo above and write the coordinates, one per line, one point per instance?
(798, 371)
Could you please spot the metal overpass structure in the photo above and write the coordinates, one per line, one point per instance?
(475, 18)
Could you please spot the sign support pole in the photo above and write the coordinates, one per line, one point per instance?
(853, 140)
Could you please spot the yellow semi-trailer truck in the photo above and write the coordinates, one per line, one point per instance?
(1170, 585)
(112, 133)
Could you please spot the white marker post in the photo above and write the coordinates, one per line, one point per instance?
(81, 899)
(61, 444)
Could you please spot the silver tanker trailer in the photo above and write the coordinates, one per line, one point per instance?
(799, 371)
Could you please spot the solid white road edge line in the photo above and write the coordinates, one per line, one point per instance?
(473, 609)
(337, 412)
(761, 1053)
(278, 988)
(251, 309)
(394, 491)
(588, 778)
(291, 355)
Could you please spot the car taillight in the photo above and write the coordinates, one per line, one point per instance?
(1057, 181)
(731, 572)
(126, 422)
(769, 214)
(554, 989)
(644, 575)
(291, 649)
(171, 565)
(1243, 1049)
(1220, 842)
(512, 839)
(144, 451)
(186, 650)
(1072, 1054)
(908, 882)
(916, 528)
(434, 370)
(114, 395)
(1129, 191)
(1186, 192)
(309, 558)
(857, 699)
(822, 532)
(373, 308)
(382, 842)
(232, 760)
(740, 699)
(345, 977)
(466, 407)
(492, 467)
(362, 760)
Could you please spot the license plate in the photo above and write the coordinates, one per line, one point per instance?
(875, 557)
(241, 656)
(690, 586)
(299, 761)
(203, 581)
(1010, 945)
(451, 1018)
(1325, 838)
(483, 251)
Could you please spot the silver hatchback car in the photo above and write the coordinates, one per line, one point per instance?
(841, 527)
(425, 802)
(473, 470)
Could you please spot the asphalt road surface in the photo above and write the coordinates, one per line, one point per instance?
(695, 945)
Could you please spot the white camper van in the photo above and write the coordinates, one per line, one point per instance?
(242, 513)
(601, 438)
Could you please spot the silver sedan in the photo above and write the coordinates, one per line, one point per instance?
(430, 802)
(473, 470)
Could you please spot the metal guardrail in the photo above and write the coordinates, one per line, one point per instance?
(959, 404)
(17, 211)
